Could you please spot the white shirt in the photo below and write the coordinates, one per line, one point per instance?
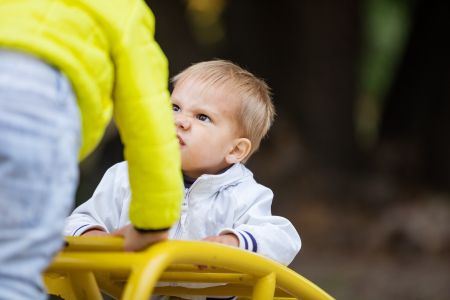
(214, 204)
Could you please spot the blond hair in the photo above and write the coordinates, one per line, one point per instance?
(257, 111)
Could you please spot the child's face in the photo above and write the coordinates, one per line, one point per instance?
(207, 127)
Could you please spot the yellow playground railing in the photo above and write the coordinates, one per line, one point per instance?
(89, 265)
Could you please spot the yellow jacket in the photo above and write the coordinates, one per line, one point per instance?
(107, 50)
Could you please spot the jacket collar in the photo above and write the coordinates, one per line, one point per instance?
(211, 183)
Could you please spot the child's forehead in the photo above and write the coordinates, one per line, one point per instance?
(209, 89)
(204, 85)
(213, 94)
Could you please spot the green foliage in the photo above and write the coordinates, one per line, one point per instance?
(386, 25)
(386, 28)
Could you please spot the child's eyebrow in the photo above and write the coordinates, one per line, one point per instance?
(213, 114)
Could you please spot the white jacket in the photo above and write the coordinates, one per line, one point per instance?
(228, 202)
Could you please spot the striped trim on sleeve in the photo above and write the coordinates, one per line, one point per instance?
(75, 232)
(249, 240)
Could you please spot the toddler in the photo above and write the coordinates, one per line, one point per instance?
(221, 114)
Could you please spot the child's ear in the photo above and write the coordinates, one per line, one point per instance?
(242, 147)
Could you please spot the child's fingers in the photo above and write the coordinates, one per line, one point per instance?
(216, 239)
(134, 241)
(95, 232)
(226, 239)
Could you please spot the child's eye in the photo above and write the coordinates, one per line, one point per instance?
(203, 118)
(175, 108)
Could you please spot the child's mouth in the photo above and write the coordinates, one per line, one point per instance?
(181, 141)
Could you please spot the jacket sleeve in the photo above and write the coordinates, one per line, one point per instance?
(103, 210)
(259, 231)
(143, 115)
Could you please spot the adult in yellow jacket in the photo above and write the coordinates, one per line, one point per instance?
(67, 66)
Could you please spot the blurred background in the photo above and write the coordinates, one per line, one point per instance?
(359, 155)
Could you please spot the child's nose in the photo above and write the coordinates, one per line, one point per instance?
(182, 122)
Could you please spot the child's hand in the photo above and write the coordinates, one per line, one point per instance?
(226, 239)
(134, 240)
(94, 232)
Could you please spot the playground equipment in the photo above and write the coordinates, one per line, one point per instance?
(90, 264)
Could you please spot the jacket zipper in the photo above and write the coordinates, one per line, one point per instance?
(186, 198)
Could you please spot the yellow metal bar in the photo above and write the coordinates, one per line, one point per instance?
(59, 285)
(91, 243)
(228, 290)
(264, 289)
(73, 285)
(192, 268)
(95, 261)
(147, 267)
(206, 277)
(85, 286)
(109, 286)
(144, 276)
(222, 290)
(177, 268)
(240, 261)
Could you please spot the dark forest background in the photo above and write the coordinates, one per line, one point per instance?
(359, 155)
